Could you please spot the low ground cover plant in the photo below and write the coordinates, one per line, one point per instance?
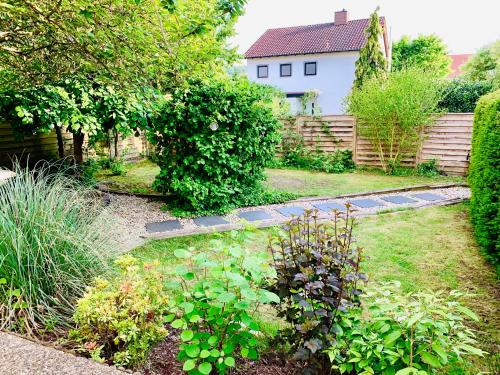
(53, 241)
(318, 277)
(395, 333)
(119, 320)
(221, 290)
(484, 175)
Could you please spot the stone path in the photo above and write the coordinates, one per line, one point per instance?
(142, 219)
(19, 356)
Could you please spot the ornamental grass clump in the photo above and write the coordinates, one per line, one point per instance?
(52, 243)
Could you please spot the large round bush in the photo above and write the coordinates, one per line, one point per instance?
(213, 141)
(461, 95)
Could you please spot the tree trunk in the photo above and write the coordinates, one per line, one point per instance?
(116, 145)
(78, 147)
(60, 142)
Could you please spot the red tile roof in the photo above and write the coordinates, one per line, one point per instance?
(456, 63)
(320, 38)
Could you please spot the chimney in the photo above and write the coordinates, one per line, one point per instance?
(341, 17)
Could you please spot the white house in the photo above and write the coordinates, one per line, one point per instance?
(317, 59)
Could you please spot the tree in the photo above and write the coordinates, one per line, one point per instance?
(142, 42)
(371, 61)
(393, 112)
(484, 65)
(426, 51)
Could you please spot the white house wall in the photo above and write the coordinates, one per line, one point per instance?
(334, 76)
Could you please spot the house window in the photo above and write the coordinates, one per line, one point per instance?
(285, 70)
(310, 69)
(262, 71)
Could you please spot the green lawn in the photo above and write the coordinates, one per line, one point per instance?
(140, 177)
(428, 248)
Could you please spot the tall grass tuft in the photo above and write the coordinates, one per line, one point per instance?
(53, 242)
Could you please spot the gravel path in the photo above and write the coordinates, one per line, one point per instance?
(19, 356)
(132, 214)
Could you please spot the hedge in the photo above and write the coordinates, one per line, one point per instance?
(461, 95)
(484, 175)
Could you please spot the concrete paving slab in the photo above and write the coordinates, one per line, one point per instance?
(398, 199)
(291, 210)
(329, 206)
(255, 215)
(210, 221)
(163, 226)
(429, 197)
(366, 203)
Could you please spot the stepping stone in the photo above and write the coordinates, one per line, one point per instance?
(429, 197)
(291, 210)
(163, 226)
(398, 199)
(366, 203)
(329, 206)
(209, 221)
(255, 215)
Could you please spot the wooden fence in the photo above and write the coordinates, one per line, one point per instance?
(448, 140)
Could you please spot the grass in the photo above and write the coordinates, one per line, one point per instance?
(140, 177)
(432, 248)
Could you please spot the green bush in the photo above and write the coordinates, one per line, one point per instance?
(484, 175)
(461, 95)
(429, 168)
(319, 276)
(213, 141)
(53, 241)
(416, 333)
(220, 288)
(120, 320)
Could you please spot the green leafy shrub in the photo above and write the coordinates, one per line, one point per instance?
(219, 288)
(213, 140)
(393, 112)
(120, 320)
(416, 333)
(461, 95)
(429, 168)
(318, 275)
(118, 167)
(484, 175)
(53, 240)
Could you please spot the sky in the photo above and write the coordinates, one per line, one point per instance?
(464, 25)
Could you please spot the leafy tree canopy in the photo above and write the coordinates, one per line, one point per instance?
(371, 61)
(142, 42)
(484, 65)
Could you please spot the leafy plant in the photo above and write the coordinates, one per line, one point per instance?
(429, 168)
(121, 319)
(118, 167)
(213, 141)
(393, 112)
(318, 272)
(484, 65)
(53, 240)
(484, 175)
(220, 288)
(461, 95)
(416, 333)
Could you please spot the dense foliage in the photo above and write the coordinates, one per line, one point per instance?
(427, 52)
(371, 61)
(148, 42)
(484, 174)
(220, 289)
(461, 95)
(295, 154)
(53, 240)
(416, 333)
(213, 141)
(121, 319)
(318, 271)
(485, 65)
(393, 112)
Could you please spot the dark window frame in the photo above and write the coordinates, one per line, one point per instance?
(267, 71)
(315, 68)
(281, 69)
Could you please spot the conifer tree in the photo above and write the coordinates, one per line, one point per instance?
(371, 61)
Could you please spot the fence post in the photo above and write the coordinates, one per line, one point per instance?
(354, 141)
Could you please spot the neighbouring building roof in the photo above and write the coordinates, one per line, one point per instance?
(456, 63)
(319, 38)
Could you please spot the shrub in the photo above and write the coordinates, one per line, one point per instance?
(429, 168)
(119, 320)
(118, 167)
(213, 141)
(318, 274)
(416, 333)
(219, 288)
(393, 112)
(52, 242)
(484, 175)
(461, 95)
